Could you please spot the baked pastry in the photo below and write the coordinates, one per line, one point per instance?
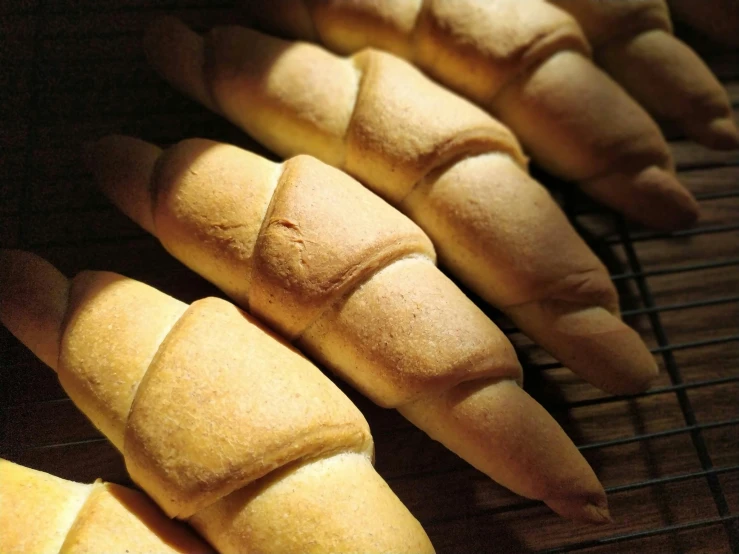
(633, 42)
(453, 169)
(525, 61)
(352, 282)
(218, 420)
(41, 514)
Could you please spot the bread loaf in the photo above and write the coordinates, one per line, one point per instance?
(525, 61)
(41, 514)
(218, 420)
(353, 283)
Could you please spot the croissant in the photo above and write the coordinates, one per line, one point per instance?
(453, 169)
(41, 514)
(353, 283)
(525, 61)
(219, 421)
(633, 41)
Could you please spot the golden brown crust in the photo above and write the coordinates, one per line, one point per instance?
(305, 259)
(405, 333)
(40, 514)
(258, 82)
(326, 512)
(478, 47)
(104, 307)
(409, 332)
(222, 403)
(475, 211)
(633, 38)
(208, 210)
(33, 302)
(350, 113)
(348, 26)
(393, 141)
(681, 90)
(117, 519)
(206, 420)
(488, 421)
(540, 106)
(135, 199)
(301, 268)
(474, 46)
(26, 496)
(529, 63)
(478, 211)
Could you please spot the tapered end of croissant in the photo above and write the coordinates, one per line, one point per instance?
(499, 429)
(33, 301)
(652, 196)
(123, 168)
(593, 510)
(177, 53)
(720, 133)
(592, 342)
(680, 90)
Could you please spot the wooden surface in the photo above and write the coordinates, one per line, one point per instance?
(72, 70)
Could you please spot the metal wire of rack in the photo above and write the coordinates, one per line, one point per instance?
(61, 59)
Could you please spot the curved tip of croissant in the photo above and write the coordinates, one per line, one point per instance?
(667, 204)
(652, 196)
(122, 167)
(720, 134)
(33, 300)
(177, 53)
(591, 341)
(590, 510)
(18, 266)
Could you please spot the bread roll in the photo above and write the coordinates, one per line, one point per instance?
(633, 41)
(452, 168)
(218, 420)
(353, 283)
(525, 61)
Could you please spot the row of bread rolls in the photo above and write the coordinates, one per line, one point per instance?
(529, 62)
(456, 171)
(218, 420)
(352, 282)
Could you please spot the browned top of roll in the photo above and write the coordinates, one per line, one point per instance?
(477, 47)
(373, 115)
(404, 125)
(324, 234)
(113, 328)
(473, 46)
(226, 402)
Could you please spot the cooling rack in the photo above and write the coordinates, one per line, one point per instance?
(72, 70)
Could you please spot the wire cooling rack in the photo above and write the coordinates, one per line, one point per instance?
(72, 70)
